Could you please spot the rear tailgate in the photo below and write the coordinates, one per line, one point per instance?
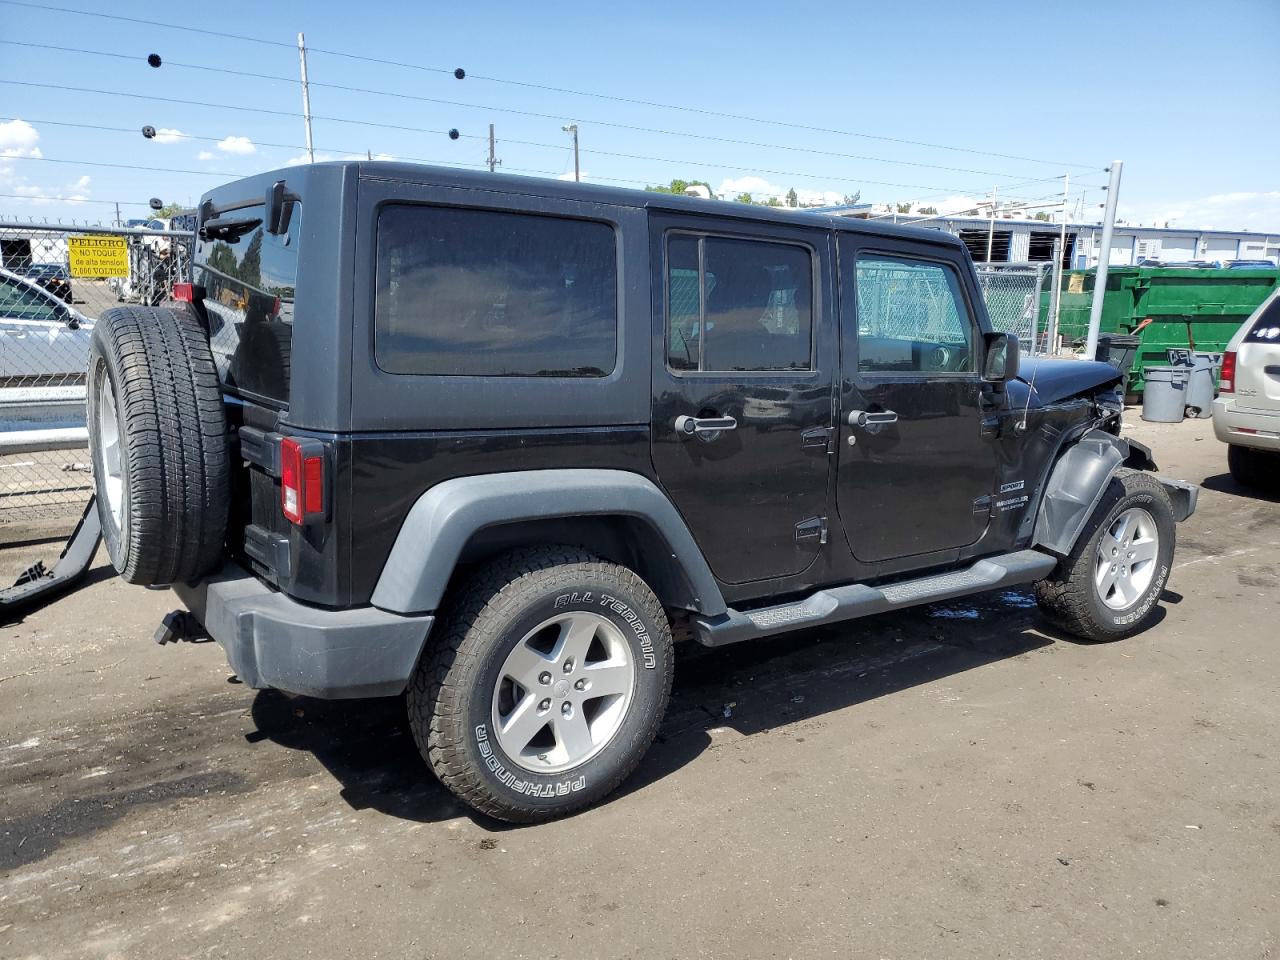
(1258, 361)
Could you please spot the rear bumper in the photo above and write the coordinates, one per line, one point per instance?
(1261, 429)
(273, 641)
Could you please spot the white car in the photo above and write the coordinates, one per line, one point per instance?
(1246, 414)
(42, 339)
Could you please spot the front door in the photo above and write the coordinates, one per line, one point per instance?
(915, 473)
(742, 408)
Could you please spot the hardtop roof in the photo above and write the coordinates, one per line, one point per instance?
(419, 173)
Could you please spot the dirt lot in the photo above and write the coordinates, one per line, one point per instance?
(953, 782)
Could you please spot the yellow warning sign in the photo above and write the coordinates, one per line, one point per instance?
(98, 256)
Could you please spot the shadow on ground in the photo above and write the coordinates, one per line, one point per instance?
(751, 688)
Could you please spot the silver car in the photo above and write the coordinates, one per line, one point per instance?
(43, 341)
(1246, 414)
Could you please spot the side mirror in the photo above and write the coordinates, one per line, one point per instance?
(279, 203)
(1000, 362)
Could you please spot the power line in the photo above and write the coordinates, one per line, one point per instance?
(42, 196)
(369, 91)
(564, 90)
(675, 160)
(403, 128)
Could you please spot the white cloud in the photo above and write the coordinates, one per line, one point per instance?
(22, 192)
(1241, 210)
(18, 139)
(582, 175)
(168, 135)
(204, 155)
(241, 145)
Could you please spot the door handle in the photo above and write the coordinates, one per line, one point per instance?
(688, 426)
(862, 418)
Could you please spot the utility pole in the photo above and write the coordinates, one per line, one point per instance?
(1055, 298)
(306, 97)
(493, 160)
(573, 129)
(991, 234)
(119, 222)
(1104, 259)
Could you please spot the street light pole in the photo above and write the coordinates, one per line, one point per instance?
(1104, 260)
(573, 129)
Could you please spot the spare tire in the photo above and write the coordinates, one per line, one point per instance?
(158, 434)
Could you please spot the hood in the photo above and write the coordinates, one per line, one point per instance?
(1058, 379)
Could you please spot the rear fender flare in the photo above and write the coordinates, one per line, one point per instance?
(446, 517)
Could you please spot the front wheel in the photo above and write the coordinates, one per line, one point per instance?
(545, 686)
(1108, 586)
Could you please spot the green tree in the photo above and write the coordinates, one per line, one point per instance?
(744, 198)
(792, 199)
(1041, 215)
(223, 259)
(851, 198)
(928, 211)
(251, 265)
(772, 202)
(170, 210)
(904, 208)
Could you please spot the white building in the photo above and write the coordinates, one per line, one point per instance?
(1020, 241)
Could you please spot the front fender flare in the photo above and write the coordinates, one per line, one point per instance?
(1075, 485)
(442, 521)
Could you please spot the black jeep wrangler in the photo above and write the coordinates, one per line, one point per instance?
(491, 442)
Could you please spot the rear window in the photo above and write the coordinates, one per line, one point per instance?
(1266, 329)
(249, 282)
(486, 293)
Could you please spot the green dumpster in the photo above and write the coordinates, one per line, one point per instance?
(1166, 307)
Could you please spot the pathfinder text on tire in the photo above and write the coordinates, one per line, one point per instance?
(488, 442)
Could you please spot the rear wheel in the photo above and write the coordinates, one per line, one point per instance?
(547, 682)
(1253, 468)
(1108, 586)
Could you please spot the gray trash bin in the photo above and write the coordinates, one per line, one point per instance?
(1165, 398)
(1201, 367)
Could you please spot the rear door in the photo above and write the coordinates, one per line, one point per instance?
(742, 380)
(1258, 361)
(915, 474)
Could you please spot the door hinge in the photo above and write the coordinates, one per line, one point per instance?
(813, 527)
(819, 437)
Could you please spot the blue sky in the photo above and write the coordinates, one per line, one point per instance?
(1183, 92)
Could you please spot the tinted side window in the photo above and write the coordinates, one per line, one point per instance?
(912, 317)
(487, 293)
(20, 302)
(738, 304)
(249, 282)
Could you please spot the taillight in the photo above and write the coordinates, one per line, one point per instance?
(301, 479)
(1227, 379)
(184, 292)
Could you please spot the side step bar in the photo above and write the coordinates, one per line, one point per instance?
(859, 600)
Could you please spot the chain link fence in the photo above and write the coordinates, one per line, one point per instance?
(1012, 295)
(55, 281)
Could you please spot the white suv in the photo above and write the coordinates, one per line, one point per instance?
(1246, 414)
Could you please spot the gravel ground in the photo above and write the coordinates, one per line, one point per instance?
(956, 781)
